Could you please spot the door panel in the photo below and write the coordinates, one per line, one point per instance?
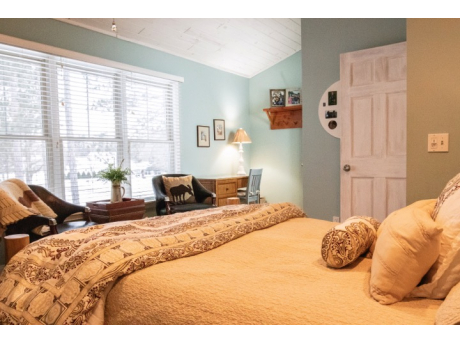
(361, 117)
(373, 140)
(394, 201)
(363, 195)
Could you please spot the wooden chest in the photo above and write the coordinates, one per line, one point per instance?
(104, 211)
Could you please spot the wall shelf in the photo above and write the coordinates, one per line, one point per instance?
(285, 117)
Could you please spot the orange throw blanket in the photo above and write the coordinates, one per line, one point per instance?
(59, 279)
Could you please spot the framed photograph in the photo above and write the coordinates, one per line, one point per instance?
(278, 97)
(202, 136)
(332, 98)
(219, 130)
(293, 96)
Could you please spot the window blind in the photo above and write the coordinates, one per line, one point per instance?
(63, 120)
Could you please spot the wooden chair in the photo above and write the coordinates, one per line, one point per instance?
(165, 206)
(251, 193)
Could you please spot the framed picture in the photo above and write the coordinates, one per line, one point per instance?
(202, 136)
(278, 97)
(332, 98)
(219, 130)
(293, 96)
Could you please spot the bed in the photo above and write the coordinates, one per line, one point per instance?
(272, 276)
(239, 264)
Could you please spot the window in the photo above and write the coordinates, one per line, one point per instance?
(64, 120)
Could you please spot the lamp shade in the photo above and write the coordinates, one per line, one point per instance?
(241, 137)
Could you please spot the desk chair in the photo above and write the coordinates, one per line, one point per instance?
(251, 193)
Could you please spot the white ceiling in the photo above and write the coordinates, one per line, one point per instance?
(241, 46)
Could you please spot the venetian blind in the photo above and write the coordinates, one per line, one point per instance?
(64, 120)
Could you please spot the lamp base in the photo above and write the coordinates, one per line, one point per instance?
(241, 162)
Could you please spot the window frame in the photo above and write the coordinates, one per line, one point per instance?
(54, 142)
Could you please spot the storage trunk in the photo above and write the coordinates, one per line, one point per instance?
(104, 211)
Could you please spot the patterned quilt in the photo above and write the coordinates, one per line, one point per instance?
(59, 279)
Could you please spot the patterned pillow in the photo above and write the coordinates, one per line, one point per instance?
(179, 189)
(345, 242)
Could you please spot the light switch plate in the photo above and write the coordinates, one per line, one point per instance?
(438, 142)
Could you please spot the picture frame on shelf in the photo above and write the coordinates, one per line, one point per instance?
(277, 97)
(293, 96)
(219, 130)
(202, 136)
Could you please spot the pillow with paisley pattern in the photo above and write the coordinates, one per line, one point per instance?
(344, 243)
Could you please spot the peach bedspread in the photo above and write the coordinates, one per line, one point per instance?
(272, 276)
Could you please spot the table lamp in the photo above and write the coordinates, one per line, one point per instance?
(241, 137)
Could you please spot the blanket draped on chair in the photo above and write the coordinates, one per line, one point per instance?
(59, 279)
(18, 201)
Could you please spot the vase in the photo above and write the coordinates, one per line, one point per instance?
(117, 193)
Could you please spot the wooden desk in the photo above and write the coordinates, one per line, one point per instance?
(104, 211)
(224, 187)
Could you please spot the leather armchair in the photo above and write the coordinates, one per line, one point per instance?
(165, 207)
(62, 209)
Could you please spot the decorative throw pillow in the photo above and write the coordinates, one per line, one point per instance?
(345, 242)
(447, 214)
(179, 189)
(407, 246)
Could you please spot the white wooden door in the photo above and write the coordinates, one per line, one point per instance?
(373, 141)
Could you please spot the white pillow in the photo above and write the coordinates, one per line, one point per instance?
(407, 245)
(445, 272)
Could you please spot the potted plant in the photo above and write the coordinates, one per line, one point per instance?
(117, 176)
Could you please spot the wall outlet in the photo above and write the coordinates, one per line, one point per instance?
(335, 219)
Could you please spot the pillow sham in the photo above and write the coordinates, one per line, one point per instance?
(444, 278)
(446, 213)
(407, 245)
(179, 189)
(449, 311)
(345, 242)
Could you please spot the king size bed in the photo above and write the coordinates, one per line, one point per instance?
(240, 264)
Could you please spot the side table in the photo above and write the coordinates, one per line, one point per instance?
(104, 211)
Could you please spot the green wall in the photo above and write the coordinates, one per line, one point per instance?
(323, 40)
(433, 74)
(276, 151)
(206, 94)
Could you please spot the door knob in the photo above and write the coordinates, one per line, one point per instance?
(346, 168)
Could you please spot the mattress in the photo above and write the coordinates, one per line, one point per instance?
(271, 276)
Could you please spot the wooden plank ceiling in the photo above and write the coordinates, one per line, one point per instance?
(244, 47)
